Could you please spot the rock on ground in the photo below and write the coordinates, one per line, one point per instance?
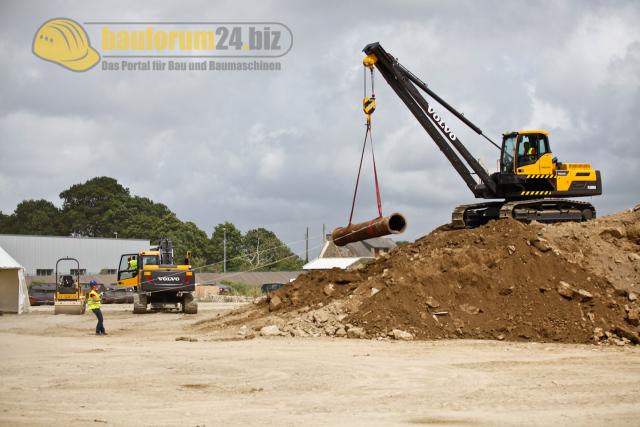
(401, 335)
(356, 332)
(270, 331)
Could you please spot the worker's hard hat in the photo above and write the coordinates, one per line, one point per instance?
(65, 42)
(93, 283)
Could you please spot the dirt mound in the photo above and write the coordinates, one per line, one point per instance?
(506, 280)
(607, 247)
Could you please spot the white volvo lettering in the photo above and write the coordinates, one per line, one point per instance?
(436, 118)
(168, 279)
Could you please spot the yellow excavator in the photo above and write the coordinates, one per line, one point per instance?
(158, 282)
(69, 297)
(531, 183)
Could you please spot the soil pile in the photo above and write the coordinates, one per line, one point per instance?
(506, 280)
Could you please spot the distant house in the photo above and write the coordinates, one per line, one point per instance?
(350, 255)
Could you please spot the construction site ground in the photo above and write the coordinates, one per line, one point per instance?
(166, 369)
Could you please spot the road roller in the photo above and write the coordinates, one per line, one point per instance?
(69, 298)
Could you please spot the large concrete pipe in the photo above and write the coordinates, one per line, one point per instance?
(383, 226)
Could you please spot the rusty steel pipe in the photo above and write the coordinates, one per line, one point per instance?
(383, 226)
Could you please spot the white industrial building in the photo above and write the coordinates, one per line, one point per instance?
(38, 254)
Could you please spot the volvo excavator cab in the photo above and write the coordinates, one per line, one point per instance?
(526, 153)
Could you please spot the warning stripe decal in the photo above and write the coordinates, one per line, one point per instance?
(535, 193)
(541, 176)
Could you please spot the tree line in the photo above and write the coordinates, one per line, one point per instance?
(101, 207)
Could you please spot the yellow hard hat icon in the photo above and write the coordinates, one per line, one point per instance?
(65, 42)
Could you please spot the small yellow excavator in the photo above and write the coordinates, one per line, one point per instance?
(157, 281)
(69, 298)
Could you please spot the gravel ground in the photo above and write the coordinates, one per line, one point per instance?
(55, 372)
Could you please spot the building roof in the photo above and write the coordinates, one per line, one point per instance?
(380, 243)
(329, 263)
(72, 237)
(7, 262)
(362, 249)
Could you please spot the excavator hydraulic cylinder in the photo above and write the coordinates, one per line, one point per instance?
(382, 226)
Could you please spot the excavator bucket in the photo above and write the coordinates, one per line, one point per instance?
(382, 226)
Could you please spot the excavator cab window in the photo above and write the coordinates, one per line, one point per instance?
(508, 150)
(123, 269)
(150, 260)
(530, 147)
(543, 146)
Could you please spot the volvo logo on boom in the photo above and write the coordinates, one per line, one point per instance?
(436, 118)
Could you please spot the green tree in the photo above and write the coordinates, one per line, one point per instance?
(188, 237)
(86, 206)
(101, 207)
(139, 217)
(265, 252)
(4, 222)
(235, 256)
(39, 217)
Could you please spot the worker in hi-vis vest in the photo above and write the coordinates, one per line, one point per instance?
(94, 302)
(133, 266)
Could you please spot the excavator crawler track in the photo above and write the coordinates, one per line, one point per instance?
(475, 214)
(548, 210)
(541, 210)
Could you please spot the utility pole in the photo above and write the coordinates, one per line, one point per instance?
(224, 250)
(306, 249)
(324, 233)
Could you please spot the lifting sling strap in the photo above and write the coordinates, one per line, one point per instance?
(368, 106)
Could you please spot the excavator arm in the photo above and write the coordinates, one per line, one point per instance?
(405, 84)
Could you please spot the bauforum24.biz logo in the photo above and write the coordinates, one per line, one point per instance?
(163, 46)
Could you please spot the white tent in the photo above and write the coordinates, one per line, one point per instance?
(14, 296)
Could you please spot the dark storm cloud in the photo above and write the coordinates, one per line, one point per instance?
(280, 149)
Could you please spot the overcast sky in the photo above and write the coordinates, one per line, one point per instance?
(280, 149)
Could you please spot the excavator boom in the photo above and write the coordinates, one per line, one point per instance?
(404, 83)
